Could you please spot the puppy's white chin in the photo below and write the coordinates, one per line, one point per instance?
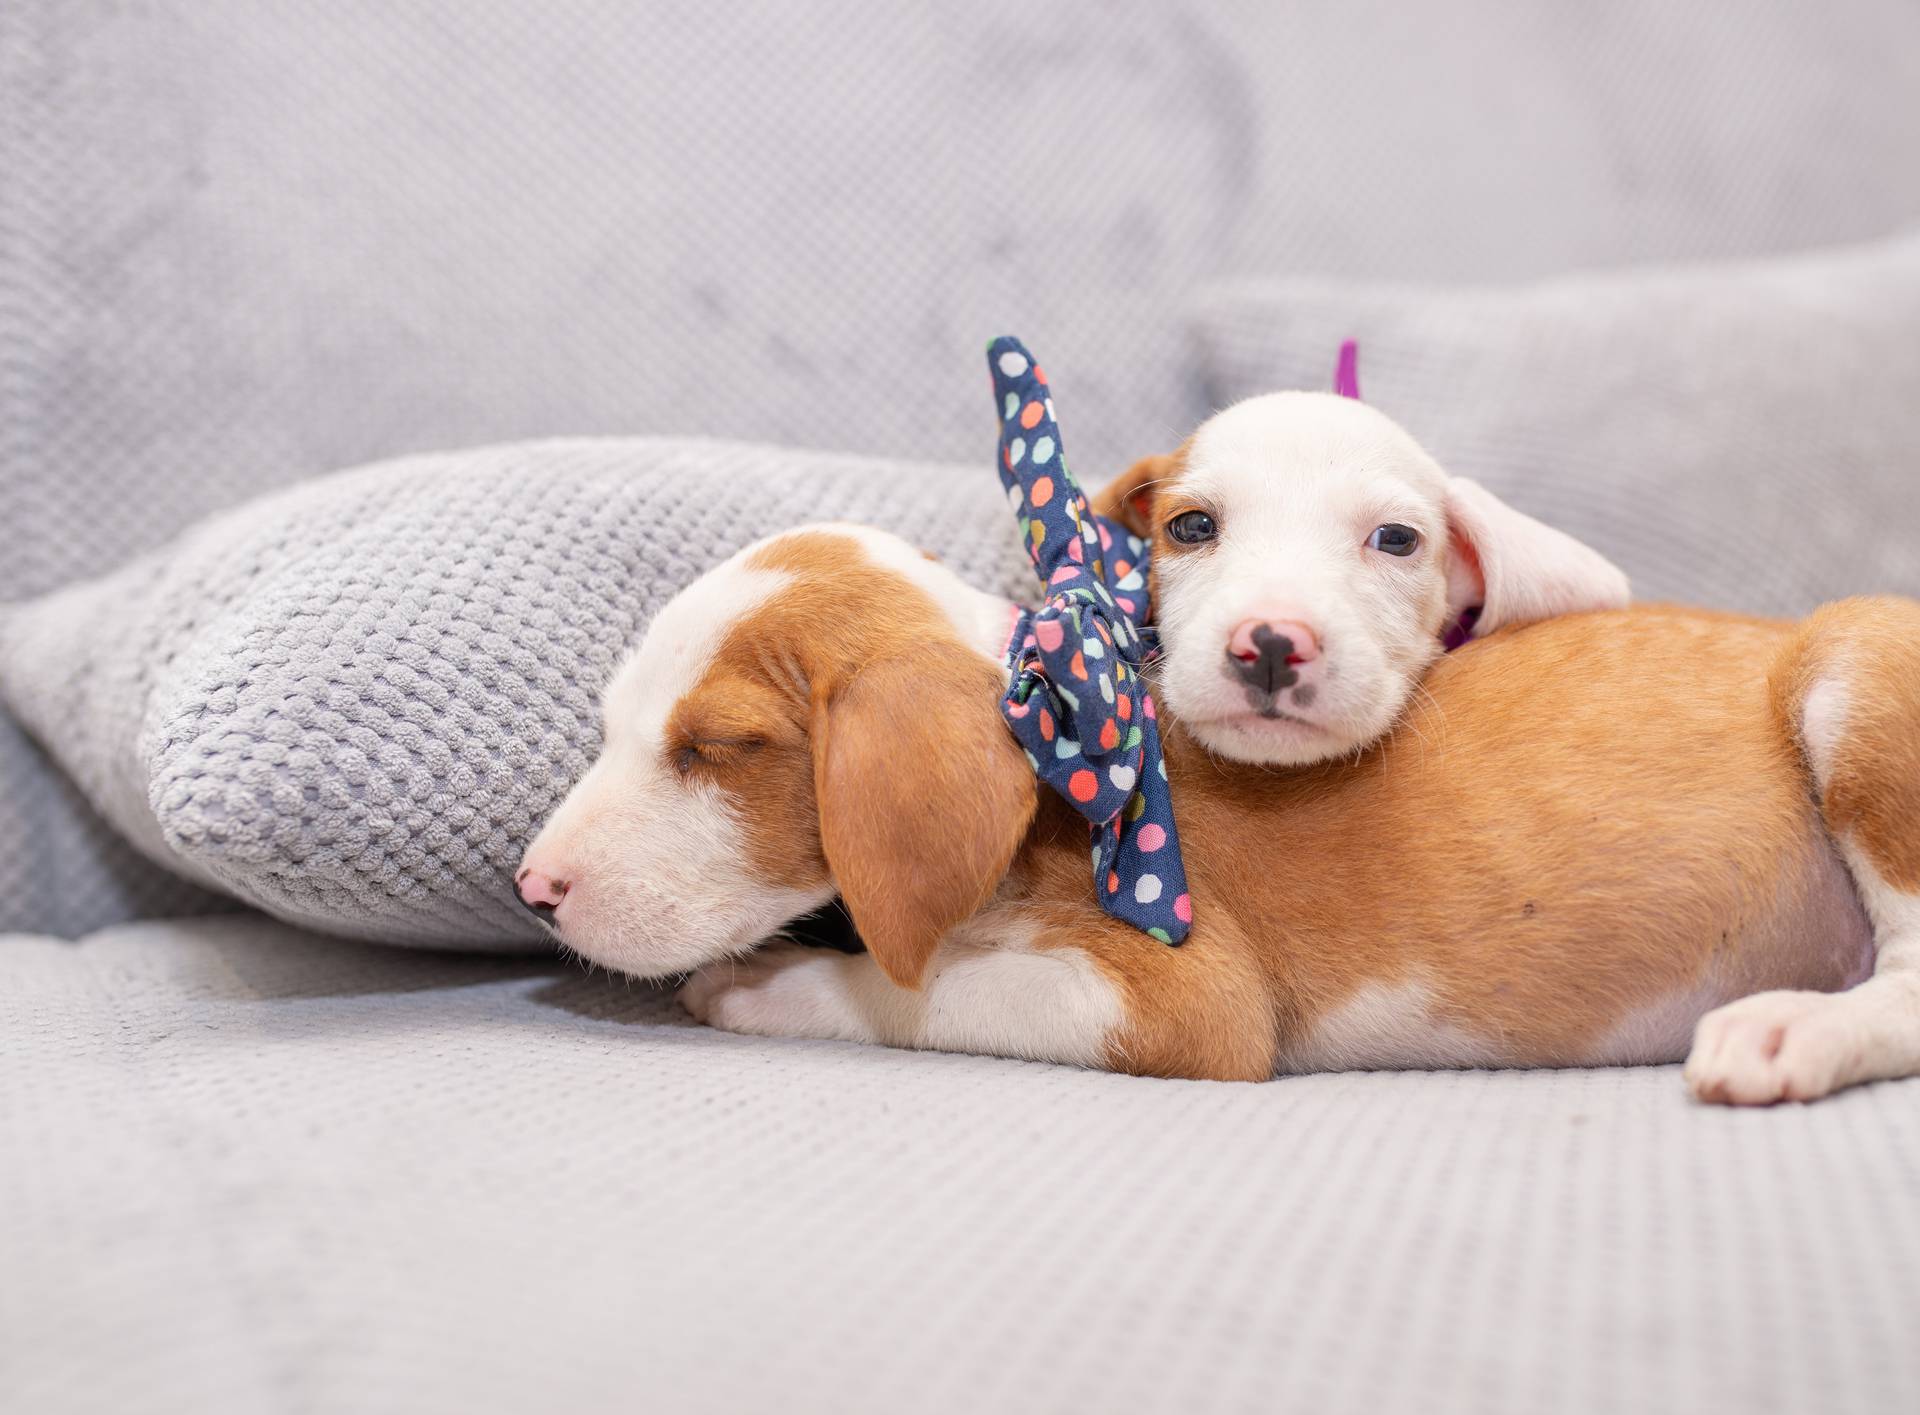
(1271, 741)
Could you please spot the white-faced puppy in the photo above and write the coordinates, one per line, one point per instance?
(1310, 561)
(765, 748)
(1635, 822)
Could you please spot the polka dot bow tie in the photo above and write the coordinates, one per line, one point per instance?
(1077, 703)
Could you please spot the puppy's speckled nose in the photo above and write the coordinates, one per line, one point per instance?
(540, 893)
(1269, 654)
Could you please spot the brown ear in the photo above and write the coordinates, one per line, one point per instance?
(1128, 498)
(923, 795)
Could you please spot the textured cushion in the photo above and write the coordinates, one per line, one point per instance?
(1744, 436)
(353, 703)
(249, 1170)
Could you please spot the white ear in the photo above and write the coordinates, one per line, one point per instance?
(1525, 570)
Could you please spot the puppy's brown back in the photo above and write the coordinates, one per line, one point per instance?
(1584, 834)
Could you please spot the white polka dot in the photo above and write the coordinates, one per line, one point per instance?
(1146, 889)
(1016, 498)
(1121, 777)
(1013, 405)
(1017, 449)
(1106, 687)
(1013, 363)
(1042, 450)
(1050, 416)
(1096, 857)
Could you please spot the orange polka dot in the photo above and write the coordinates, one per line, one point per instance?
(1031, 414)
(1109, 735)
(1046, 725)
(1042, 491)
(1125, 706)
(1079, 666)
(1083, 785)
(1113, 882)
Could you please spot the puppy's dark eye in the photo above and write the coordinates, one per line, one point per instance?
(1192, 528)
(1395, 539)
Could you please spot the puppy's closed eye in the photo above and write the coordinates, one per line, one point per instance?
(713, 752)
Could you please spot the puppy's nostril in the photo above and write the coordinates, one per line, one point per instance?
(1266, 654)
(540, 893)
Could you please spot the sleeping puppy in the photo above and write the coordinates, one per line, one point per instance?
(1310, 562)
(1584, 837)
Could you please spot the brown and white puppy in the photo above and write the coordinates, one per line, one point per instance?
(1309, 559)
(1584, 838)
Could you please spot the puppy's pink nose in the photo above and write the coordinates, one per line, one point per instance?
(1292, 640)
(1270, 654)
(540, 893)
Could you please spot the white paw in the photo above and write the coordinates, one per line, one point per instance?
(778, 990)
(1773, 1046)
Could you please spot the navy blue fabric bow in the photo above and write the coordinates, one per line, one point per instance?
(1077, 703)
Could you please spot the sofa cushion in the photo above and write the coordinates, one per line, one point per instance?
(1742, 435)
(253, 1170)
(353, 703)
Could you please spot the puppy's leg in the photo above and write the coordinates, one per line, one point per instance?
(1853, 699)
(999, 996)
(1044, 982)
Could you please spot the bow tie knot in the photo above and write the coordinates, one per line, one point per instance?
(1077, 702)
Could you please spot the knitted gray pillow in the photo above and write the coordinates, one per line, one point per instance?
(1741, 435)
(353, 703)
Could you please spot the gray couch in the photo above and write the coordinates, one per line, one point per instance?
(245, 1166)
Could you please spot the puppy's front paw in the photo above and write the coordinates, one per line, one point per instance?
(1773, 1046)
(778, 990)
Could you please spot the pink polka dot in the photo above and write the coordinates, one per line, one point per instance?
(1106, 539)
(1075, 553)
(1049, 634)
(1065, 573)
(1183, 908)
(1152, 837)
(1147, 702)
(1126, 604)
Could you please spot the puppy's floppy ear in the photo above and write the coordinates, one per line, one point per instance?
(1517, 569)
(923, 796)
(1128, 498)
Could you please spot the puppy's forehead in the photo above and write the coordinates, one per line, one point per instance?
(1279, 442)
(685, 636)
